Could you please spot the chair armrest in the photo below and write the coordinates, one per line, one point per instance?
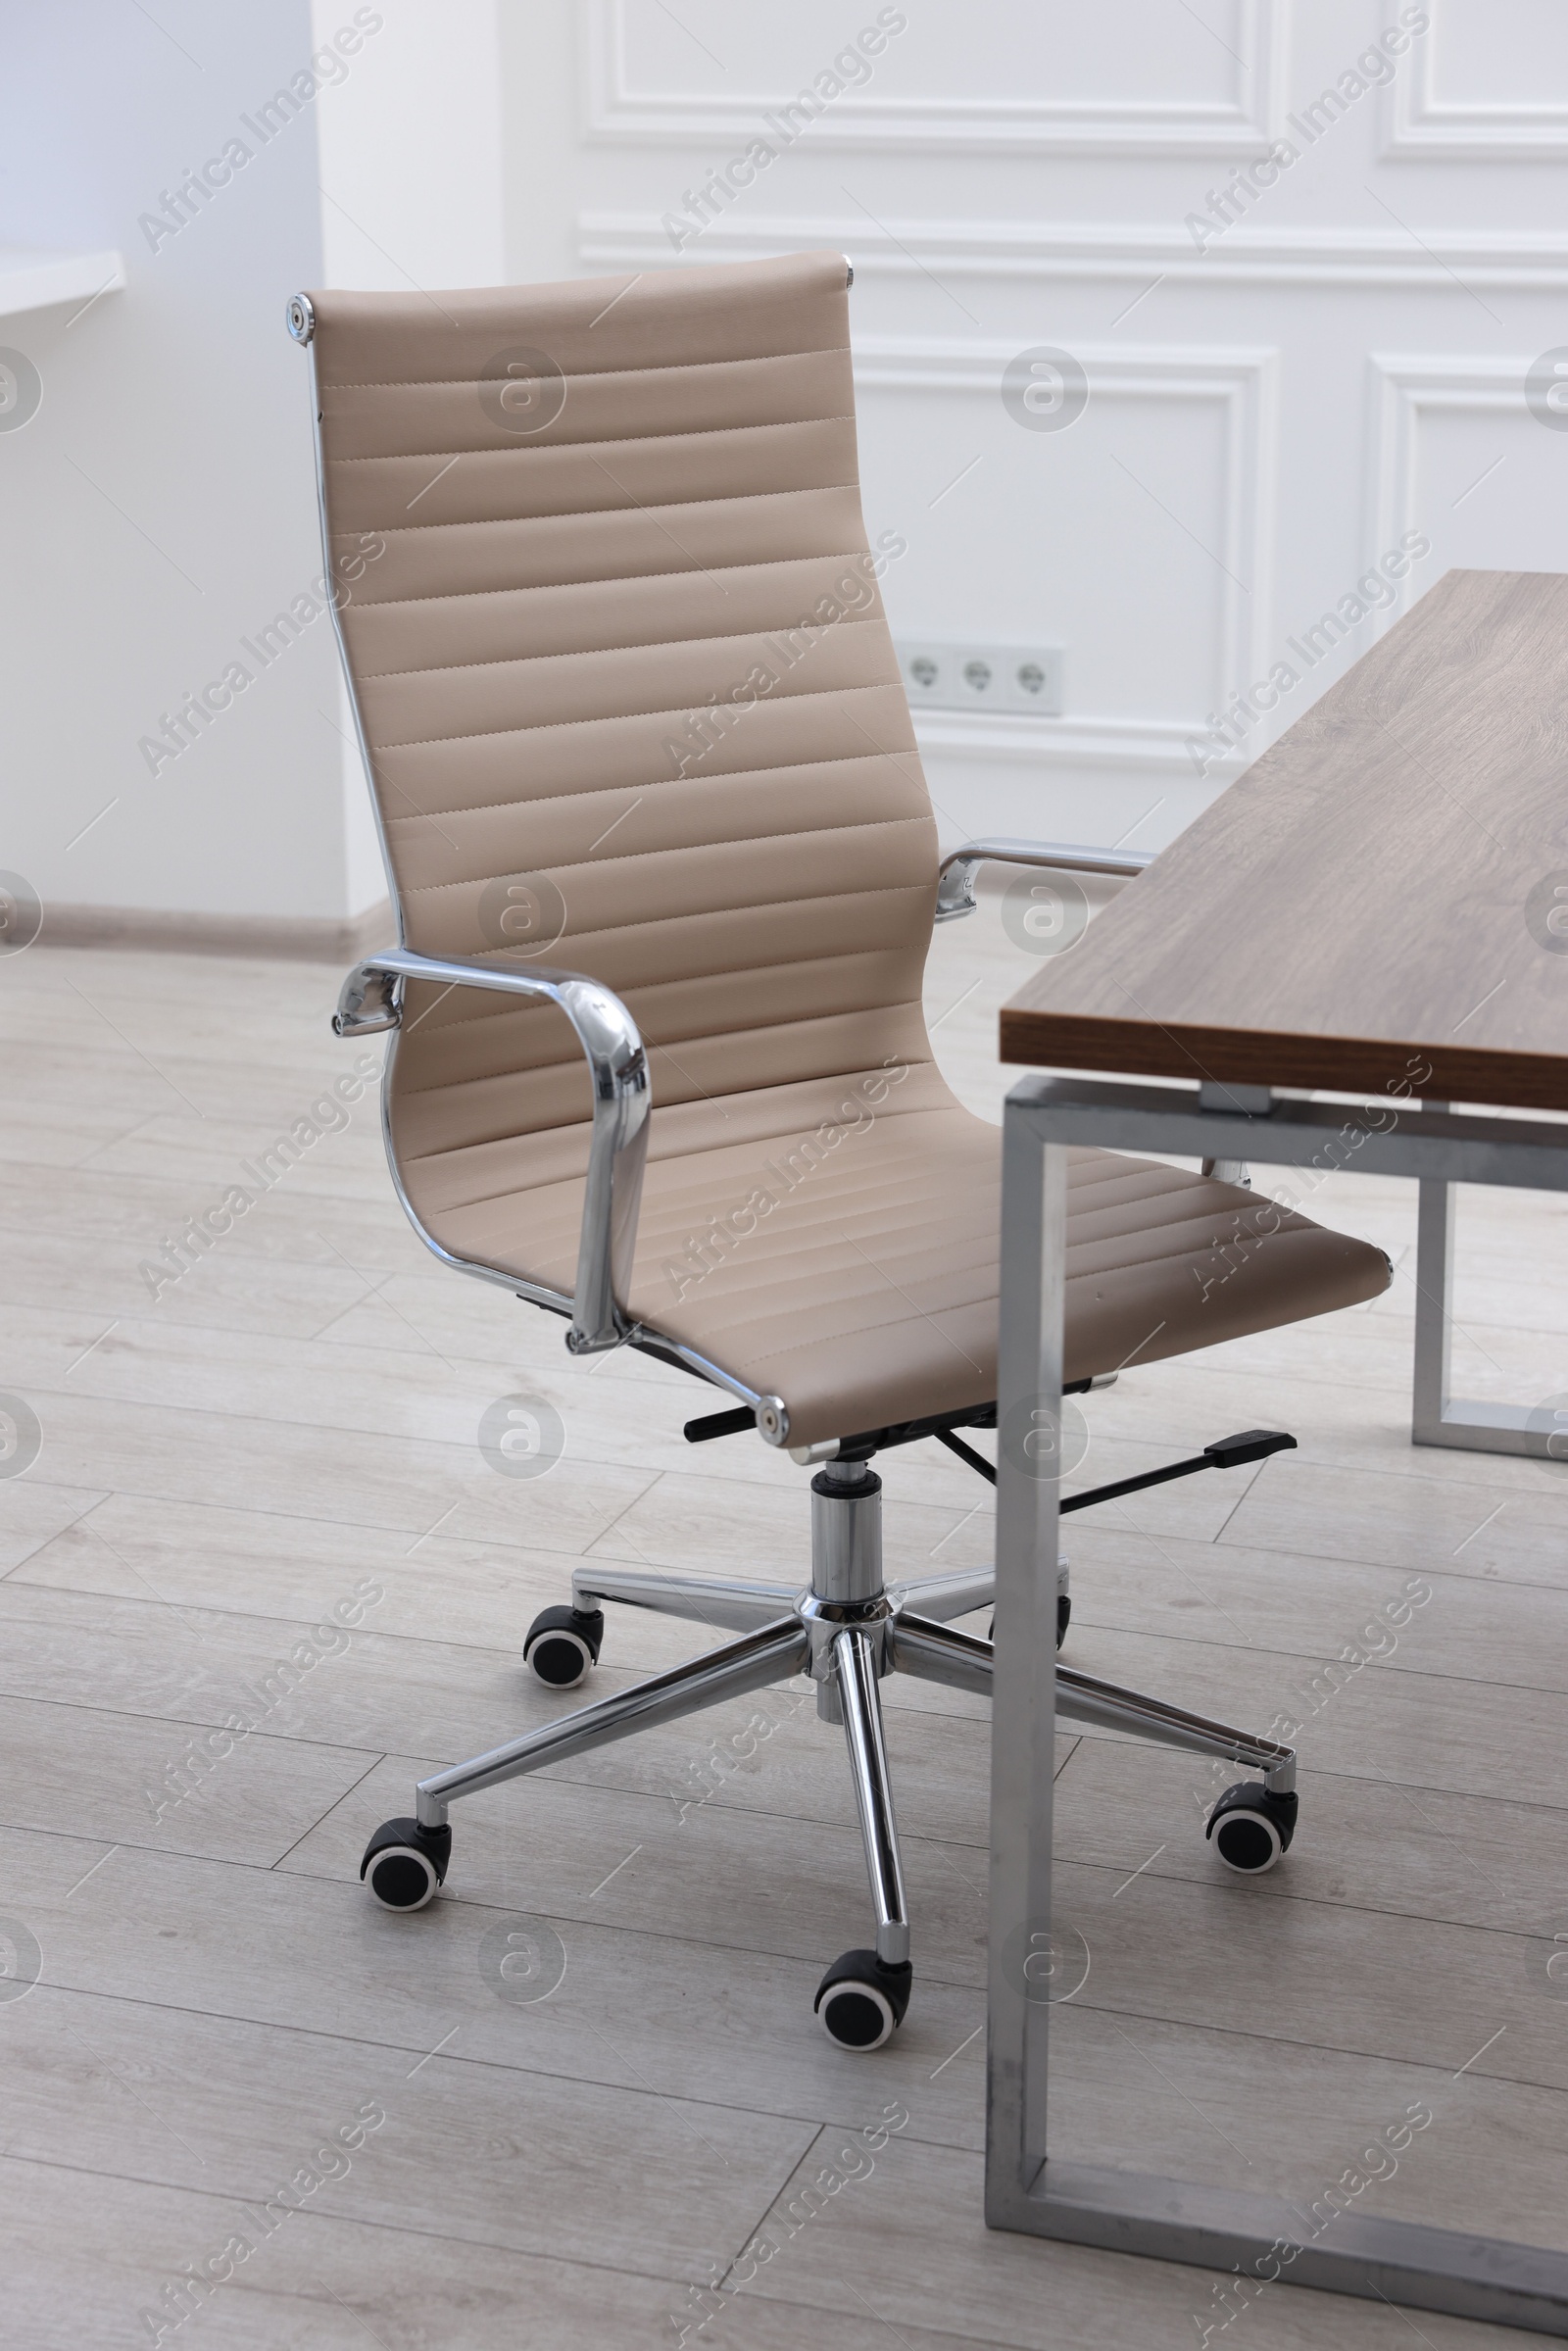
(372, 999)
(955, 888)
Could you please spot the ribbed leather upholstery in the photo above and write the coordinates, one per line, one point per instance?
(625, 636)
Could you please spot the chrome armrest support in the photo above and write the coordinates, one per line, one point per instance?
(955, 888)
(367, 1003)
(372, 999)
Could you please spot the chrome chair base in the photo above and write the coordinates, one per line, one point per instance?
(845, 1631)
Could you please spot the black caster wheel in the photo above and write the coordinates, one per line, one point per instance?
(563, 1644)
(1249, 1828)
(403, 1864)
(862, 1999)
(1063, 1619)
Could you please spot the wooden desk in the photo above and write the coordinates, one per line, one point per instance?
(1371, 896)
(1379, 903)
(1366, 912)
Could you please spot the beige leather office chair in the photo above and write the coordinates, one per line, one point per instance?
(656, 834)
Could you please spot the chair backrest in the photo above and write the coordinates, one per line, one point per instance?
(627, 694)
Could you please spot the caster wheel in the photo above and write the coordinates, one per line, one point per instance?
(862, 1999)
(1249, 1828)
(403, 1864)
(562, 1644)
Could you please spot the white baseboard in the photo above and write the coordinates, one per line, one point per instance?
(309, 939)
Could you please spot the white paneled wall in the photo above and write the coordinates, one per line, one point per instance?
(1307, 257)
(1291, 372)
(1494, 84)
(973, 79)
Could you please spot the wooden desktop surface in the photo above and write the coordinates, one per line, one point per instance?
(1369, 902)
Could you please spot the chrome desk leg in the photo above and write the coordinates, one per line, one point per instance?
(1468, 1425)
(1254, 2237)
(1433, 1285)
(1023, 1734)
(772, 1655)
(855, 1656)
(740, 1608)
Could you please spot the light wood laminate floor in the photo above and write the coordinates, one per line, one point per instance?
(289, 1431)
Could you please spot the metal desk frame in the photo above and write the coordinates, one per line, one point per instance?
(1436, 1418)
(1172, 2219)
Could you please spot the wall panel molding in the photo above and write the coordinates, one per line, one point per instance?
(1447, 260)
(1401, 387)
(1244, 124)
(1421, 124)
(1242, 381)
(153, 930)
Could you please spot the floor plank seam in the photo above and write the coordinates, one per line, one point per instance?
(330, 1810)
(575, 2077)
(398, 2228)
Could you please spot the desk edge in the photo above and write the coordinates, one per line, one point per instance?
(1445, 1072)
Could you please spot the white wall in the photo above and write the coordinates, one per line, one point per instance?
(1270, 407)
(411, 149)
(159, 508)
(411, 168)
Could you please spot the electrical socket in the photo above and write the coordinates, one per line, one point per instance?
(1016, 678)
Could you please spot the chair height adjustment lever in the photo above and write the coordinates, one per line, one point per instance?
(1229, 1453)
(1253, 1445)
(719, 1423)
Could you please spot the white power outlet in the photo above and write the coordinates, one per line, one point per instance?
(1014, 678)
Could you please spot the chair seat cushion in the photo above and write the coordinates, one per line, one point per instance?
(835, 1244)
